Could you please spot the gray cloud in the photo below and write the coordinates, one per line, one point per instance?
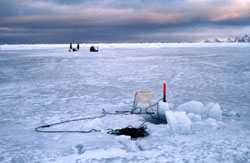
(111, 20)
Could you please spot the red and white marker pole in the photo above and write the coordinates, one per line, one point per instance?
(164, 92)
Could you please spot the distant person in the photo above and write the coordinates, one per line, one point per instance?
(70, 47)
(78, 46)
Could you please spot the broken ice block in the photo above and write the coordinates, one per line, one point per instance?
(179, 122)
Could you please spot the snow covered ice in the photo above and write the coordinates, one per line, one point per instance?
(42, 84)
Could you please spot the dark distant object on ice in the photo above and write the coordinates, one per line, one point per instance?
(93, 49)
(74, 49)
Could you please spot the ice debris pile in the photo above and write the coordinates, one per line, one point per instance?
(196, 108)
(181, 120)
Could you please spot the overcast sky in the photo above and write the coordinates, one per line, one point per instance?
(85, 21)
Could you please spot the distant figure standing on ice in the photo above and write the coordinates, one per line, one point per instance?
(78, 46)
(74, 49)
(70, 47)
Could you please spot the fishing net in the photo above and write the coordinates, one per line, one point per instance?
(142, 96)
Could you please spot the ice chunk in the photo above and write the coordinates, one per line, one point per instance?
(194, 117)
(212, 123)
(179, 122)
(193, 107)
(210, 105)
(215, 112)
(162, 108)
(229, 113)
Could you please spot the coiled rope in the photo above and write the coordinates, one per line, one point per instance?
(104, 113)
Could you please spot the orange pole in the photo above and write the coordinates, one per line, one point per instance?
(164, 92)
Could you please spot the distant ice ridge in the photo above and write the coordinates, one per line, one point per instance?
(237, 39)
(85, 47)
